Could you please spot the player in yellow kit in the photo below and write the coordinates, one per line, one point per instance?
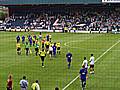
(18, 48)
(42, 54)
(58, 47)
(47, 43)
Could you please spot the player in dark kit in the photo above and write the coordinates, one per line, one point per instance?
(18, 48)
(83, 75)
(18, 39)
(23, 39)
(54, 49)
(69, 59)
(36, 49)
(27, 48)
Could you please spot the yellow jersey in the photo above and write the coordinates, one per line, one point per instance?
(47, 43)
(34, 86)
(18, 45)
(58, 44)
(42, 53)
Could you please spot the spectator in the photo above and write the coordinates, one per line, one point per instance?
(35, 85)
(9, 82)
(24, 83)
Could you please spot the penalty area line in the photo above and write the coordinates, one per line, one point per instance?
(95, 62)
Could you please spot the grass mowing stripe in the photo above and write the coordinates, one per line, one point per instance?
(95, 62)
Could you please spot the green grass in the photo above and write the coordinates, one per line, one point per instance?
(55, 73)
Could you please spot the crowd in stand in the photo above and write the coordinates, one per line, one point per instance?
(87, 20)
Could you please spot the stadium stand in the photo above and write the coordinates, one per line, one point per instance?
(80, 17)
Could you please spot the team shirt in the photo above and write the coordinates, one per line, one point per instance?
(42, 53)
(54, 48)
(58, 44)
(83, 73)
(92, 60)
(50, 36)
(18, 45)
(69, 57)
(50, 49)
(47, 43)
(35, 86)
(85, 63)
(27, 46)
(23, 83)
(47, 37)
(23, 38)
(18, 37)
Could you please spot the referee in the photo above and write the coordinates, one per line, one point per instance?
(42, 54)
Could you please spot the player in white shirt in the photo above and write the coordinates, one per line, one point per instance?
(85, 63)
(50, 51)
(92, 58)
(37, 85)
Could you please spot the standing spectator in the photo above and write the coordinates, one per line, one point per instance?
(9, 82)
(24, 83)
(35, 85)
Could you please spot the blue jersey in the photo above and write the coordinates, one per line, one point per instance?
(54, 48)
(47, 37)
(23, 38)
(18, 37)
(34, 37)
(30, 40)
(69, 57)
(83, 73)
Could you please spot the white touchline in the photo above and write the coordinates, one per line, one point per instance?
(89, 67)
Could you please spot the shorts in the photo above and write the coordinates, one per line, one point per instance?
(47, 46)
(42, 45)
(9, 88)
(50, 52)
(54, 52)
(91, 66)
(18, 49)
(42, 58)
(69, 60)
(27, 49)
(33, 42)
(83, 83)
(36, 49)
(58, 48)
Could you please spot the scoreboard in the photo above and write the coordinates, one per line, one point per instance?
(110, 1)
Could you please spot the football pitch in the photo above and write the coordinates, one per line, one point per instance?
(105, 47)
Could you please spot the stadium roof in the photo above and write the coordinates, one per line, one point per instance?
(21, 2)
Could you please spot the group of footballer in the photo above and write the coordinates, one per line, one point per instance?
(38, 45)
(84, 70)
(44, 45)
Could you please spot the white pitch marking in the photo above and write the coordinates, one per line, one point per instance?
(89, 67)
